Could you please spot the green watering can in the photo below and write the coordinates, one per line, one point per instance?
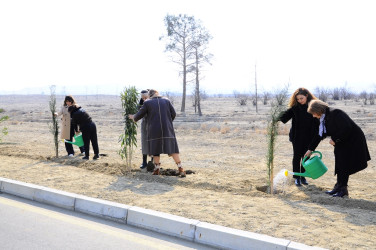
(78, 141)
(314, 167)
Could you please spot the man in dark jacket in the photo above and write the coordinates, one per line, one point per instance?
(161, 135)
(81, 119)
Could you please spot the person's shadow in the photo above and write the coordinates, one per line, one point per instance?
(144, 183)
(344, 205)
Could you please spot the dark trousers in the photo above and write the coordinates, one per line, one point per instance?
(69, 147)
(299, 151)
(89, 133)
(342, 179)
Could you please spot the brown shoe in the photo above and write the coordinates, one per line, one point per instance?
(181, 172)
(156, 171)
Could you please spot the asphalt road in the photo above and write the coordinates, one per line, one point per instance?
(30, 225)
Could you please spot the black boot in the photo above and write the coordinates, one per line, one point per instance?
(304, 181)
(342, 192)
(334, 190)
(298, 183)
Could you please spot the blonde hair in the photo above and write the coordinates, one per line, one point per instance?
(317, 107)
(301, 91)
(153, 93)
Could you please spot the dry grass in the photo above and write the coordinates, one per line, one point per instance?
(228, 187)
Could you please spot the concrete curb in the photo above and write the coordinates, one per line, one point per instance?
(220, 236)
(161, 222)
(189, 229)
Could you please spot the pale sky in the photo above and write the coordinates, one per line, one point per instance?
(99, 47)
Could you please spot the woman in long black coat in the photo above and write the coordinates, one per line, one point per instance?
(161, 135)
(350, 145)
(303, 128)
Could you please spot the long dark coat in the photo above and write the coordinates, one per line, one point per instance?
(350, 150)
(160, 131)
(303, 130)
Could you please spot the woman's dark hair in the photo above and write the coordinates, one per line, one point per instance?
(69, 98)
(301, 91)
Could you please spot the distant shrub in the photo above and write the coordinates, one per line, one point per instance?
(336, 94)
(372, 99)
(225, 129)
(242, 99)
(170, 96)
(322, 93)
(364, 96)
(265, 97)
(204, 126)
(214, 129)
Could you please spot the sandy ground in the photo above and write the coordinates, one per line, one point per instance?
(226, 148)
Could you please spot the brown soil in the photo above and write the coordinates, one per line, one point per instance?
(226, 150)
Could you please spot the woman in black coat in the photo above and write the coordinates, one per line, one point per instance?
(81, 119)
(161, 138)
(303, 129)
(350, 145)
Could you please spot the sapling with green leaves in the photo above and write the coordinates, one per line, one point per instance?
(4, 131)
(54, 126)
(277, 107)
(129, 100)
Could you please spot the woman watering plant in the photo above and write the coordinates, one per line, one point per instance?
(303, 128)
(81, 119)
(350, 145)
(67, 130)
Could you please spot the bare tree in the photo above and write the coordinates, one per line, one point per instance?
(364, 95)
(265, 97)
(336, 93)
(179, 41)
(345, 93)
(170, 96)
(201, 38)
(255, 101)
(372, 99)
(322, 93)
(54, 126)
(242, 99)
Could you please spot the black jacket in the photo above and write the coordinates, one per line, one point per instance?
(350, 150)
(304, 126)
(79, 117)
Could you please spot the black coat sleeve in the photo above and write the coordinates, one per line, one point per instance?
(172, 111)
(285, 116)
(141, 113)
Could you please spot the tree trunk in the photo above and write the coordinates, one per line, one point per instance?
(198, 87)
(184, 78)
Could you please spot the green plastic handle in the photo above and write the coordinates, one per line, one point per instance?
(305, 157)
